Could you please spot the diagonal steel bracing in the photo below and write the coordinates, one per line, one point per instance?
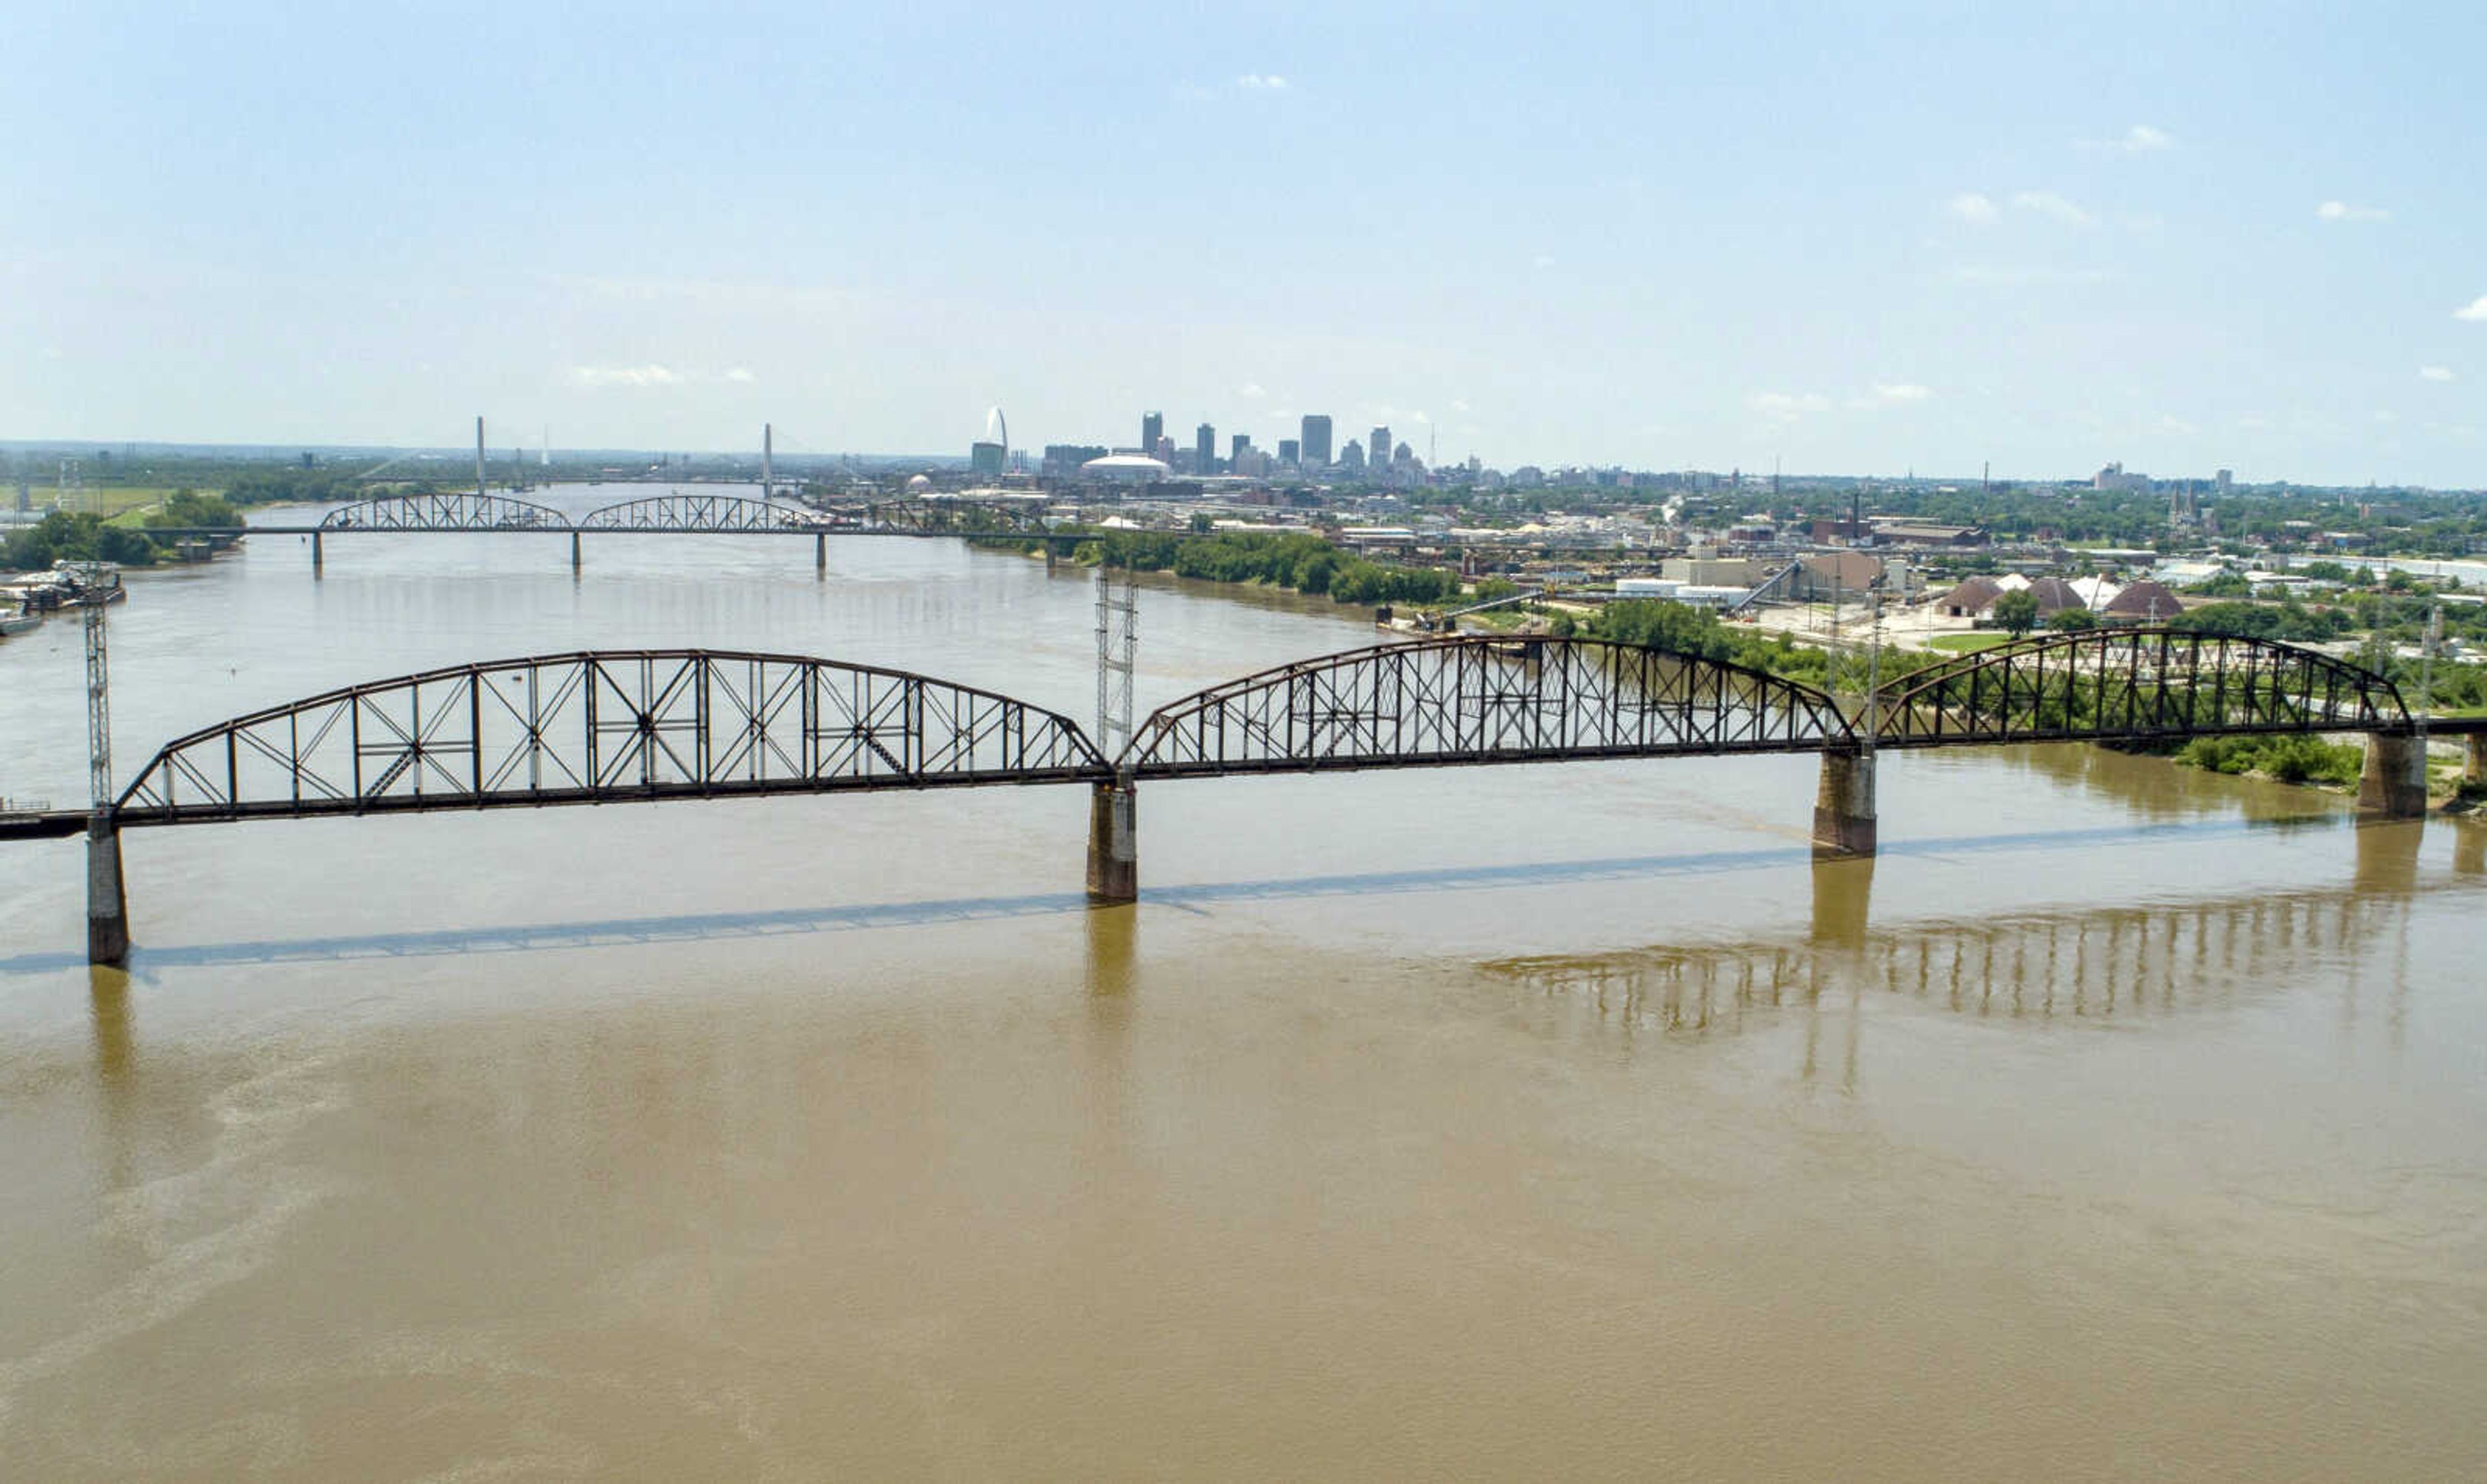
(605, 727)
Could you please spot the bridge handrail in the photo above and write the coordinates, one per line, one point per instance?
(1899, 706)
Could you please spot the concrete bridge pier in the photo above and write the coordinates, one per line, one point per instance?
(820, 555)
(107, 904)
(315, 553)
(2474, 770)
(1843, 808)
(573, 553)
(1114, 842)
(2394, 784)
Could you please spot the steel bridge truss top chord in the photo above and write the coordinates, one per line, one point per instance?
(2138, 684)
(698, 513)
(961, 516)
(606, 727)
(1475, 698)
(463, 511)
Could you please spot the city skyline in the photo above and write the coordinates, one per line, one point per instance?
(1704, 240)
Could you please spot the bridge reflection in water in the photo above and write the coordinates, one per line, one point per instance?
(2136, 959)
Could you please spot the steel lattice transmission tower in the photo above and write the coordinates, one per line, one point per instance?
(99, 694)
(1118, 643)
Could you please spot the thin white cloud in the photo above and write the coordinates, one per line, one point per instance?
(2178, 426)
(741, 373)
(1975, 207)
(1457, 405)
(1900, 392)
(1261, 82)
(720, 294)
(2475, 310)
(651, 375)
(2140, 139)
(2347, 211)
(2049, 205)
(1542, 260)
(1250, 391)
(2010, 276)
(2435, 374)
(1788, 406)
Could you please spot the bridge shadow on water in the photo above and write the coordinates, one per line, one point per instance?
(523, 938)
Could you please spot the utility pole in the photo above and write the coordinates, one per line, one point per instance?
(2426, 669)
(482, 492)
(767, 461)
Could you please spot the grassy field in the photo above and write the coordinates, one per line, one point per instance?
(1967, 643)
(123, 506)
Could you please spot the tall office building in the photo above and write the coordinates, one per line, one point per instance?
(1152, 428)
(1351, 457)
(1316, 441)
(1203, 450)
(1377, 448)
(1236, 446)
(1289, 452)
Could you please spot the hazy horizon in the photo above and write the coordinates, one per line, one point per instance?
(1926, 238)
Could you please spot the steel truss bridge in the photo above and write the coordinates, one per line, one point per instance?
(647, 725)
(676, 513)
(616, 726)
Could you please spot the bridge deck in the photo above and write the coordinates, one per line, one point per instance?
(63, 823)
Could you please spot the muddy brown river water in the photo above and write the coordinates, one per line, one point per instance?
(1555, 1120)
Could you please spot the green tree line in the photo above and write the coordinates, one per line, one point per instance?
(1299, 561)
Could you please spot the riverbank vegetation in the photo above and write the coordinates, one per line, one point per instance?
(2291, 759)
(1665, 624)
(80, 538)
(189, 510)
(1302, 563)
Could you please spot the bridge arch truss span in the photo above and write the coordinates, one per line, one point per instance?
(2135, 685)
(461, 511)
(695, 512)
(1482, 698)
(605, 727)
